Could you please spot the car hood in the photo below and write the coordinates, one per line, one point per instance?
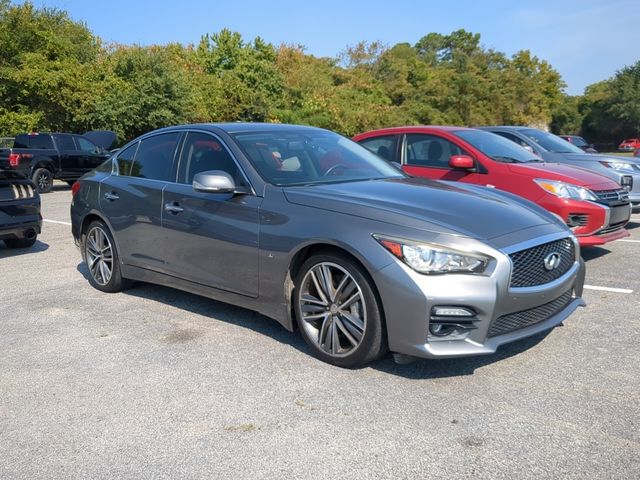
(468, 210)
(102, 138)
(565, 173)
(589, 157)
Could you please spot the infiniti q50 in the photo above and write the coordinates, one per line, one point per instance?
(318, 233)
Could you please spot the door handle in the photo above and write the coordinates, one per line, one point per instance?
(173, 208)
(111, 196)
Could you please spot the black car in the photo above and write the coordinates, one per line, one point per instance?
(65, 156)
(20, 220)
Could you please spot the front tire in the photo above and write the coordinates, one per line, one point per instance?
(101, 257)
(338, 312)
(43, 179)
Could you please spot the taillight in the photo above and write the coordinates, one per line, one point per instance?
(14, 159)
(75, 188)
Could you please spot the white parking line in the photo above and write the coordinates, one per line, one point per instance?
(629, 241)
(608, 289)
(56, 221)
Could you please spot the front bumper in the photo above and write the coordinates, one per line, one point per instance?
(408, 303)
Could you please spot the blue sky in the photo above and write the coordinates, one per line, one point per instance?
(586, 41)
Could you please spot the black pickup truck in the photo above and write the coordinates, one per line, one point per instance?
(45, 156)
(20, 220)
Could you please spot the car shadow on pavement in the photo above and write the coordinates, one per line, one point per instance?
(220, 311)
(592, 253)
(212, 309)
(632, 225)
(423, 369)
(14, 252)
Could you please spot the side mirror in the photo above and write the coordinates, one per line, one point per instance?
(214, 181)
(462, 162)
(396, 165)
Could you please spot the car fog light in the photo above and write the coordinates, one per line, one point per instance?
(449, 320)
(441, 330)
(452, 312)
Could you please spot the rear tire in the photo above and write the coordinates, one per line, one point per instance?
(20, 242)
(102, 260)
(43, 179)
(338, 312)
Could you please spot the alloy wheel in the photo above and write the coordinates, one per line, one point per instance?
(99, 255)
(43, 182)
(333, 309)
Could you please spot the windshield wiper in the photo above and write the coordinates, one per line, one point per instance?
(505, 159)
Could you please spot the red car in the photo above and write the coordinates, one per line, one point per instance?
(594, 207)
(629, 145)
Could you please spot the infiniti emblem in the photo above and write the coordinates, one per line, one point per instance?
(551, 261)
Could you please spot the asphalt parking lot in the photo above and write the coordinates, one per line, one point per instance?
(157, 383)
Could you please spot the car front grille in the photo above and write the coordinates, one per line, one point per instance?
(526, 318)
(612, 228)
(617, 195)
(529, 265)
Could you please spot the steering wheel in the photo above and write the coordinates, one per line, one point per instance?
(333, 168)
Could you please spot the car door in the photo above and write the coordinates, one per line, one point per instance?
(69, 156)
(212, 239)
(427, 155)
(132, 199)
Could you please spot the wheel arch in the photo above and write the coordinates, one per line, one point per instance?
(91, 216)
(318, 247)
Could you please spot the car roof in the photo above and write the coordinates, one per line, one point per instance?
(242, 127)
(506, 127)
(413, 128)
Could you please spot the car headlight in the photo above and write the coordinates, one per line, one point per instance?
(620, 166)
(429, 258)
(565, 190)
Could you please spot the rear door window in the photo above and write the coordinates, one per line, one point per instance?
(154, 158)
(65, 142)
(384, 146)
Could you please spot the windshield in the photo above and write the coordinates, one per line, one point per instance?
(550, 142)
(579, 142)
(311, 157)
(497, 147)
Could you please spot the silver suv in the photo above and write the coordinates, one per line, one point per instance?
(551, 148)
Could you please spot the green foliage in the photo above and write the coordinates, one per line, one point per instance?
(55, 74)
(566, 116)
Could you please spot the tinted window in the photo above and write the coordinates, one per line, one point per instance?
(86, 145)
(154, 158)
(65, 142)
(41, 142)
(513, 138)
(202, 152)
(21, 141)
(496, 147)
(429, 151)
(549, 142)
(296, 156)
(384, 147)
(125, 159)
